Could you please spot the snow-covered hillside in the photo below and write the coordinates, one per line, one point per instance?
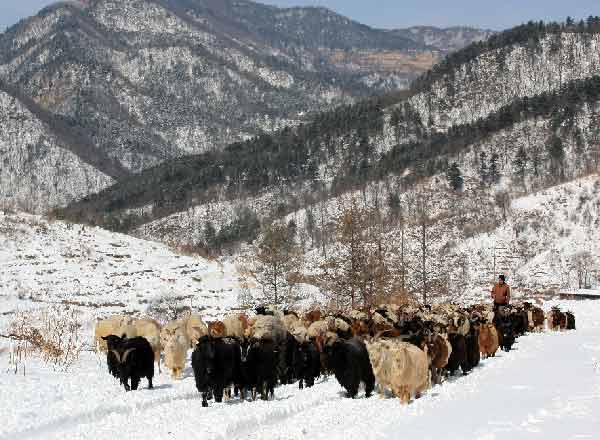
(548, 387)
(38, 169)
(482, 86)
(545, 234)
(101, 272)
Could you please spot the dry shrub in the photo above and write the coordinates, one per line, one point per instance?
(53, 334)
(166, 307)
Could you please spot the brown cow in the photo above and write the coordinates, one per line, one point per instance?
(488, 340)
(217, 329)
(439, 350)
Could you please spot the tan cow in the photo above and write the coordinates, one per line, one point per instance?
(150, 329)
(400, 367)
(488, 340)
(110, 326)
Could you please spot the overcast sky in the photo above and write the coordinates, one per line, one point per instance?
(494, 14)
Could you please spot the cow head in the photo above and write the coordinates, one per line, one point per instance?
(121, 354)
(247, 346)
(113, 341)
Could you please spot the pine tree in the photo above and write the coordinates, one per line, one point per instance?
(521, 160)
(210, 237)
(483, 168)
(455, 178)
(494, 174)
(393, 203)
(556, 151)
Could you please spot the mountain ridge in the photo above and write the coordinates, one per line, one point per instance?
(145, 81)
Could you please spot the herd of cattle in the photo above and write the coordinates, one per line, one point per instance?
(401, 348)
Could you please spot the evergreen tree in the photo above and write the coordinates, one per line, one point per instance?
(455, 178)
(483, 168)
(556, 152)
(494, 174)
(521, 160)
(393, 203)
(210, 236)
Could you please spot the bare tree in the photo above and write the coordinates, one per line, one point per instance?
(343, 270)
(276, 257)
(583, 264)
(424, 233)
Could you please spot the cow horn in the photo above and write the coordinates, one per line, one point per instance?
(129, 350)
(117, 355)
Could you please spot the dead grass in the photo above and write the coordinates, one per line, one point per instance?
(53, 334)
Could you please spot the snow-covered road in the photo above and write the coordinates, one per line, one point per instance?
(547, 388)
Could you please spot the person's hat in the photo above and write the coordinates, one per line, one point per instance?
(502, 277)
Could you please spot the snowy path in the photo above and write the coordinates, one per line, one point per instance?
(549, 387)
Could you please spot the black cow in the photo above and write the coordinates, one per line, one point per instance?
(262, 310)
(350, 363)
(292, 353)
(506, 333)
(133, 359)
(217, 365)
(520, 322)
(112, 343)
(472, 344)
(458, 357)
(570, 321)
(307, 365)
(259, 368)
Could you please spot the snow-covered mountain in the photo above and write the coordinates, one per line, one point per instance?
(507, 134)
(143, 81)
(447, 40)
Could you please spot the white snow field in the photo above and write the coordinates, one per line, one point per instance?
(102, 272)
(548, 387)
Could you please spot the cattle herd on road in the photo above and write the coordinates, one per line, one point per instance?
(401, 348)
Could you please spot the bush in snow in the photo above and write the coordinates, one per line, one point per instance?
(53, 334)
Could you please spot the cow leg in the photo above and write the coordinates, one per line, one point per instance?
(264, 392)
(218, 395)
(150, 386)
(135, 382)
(301, 384)
(405, 395)
(204, 399)
(352, 391)
(124, 381)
